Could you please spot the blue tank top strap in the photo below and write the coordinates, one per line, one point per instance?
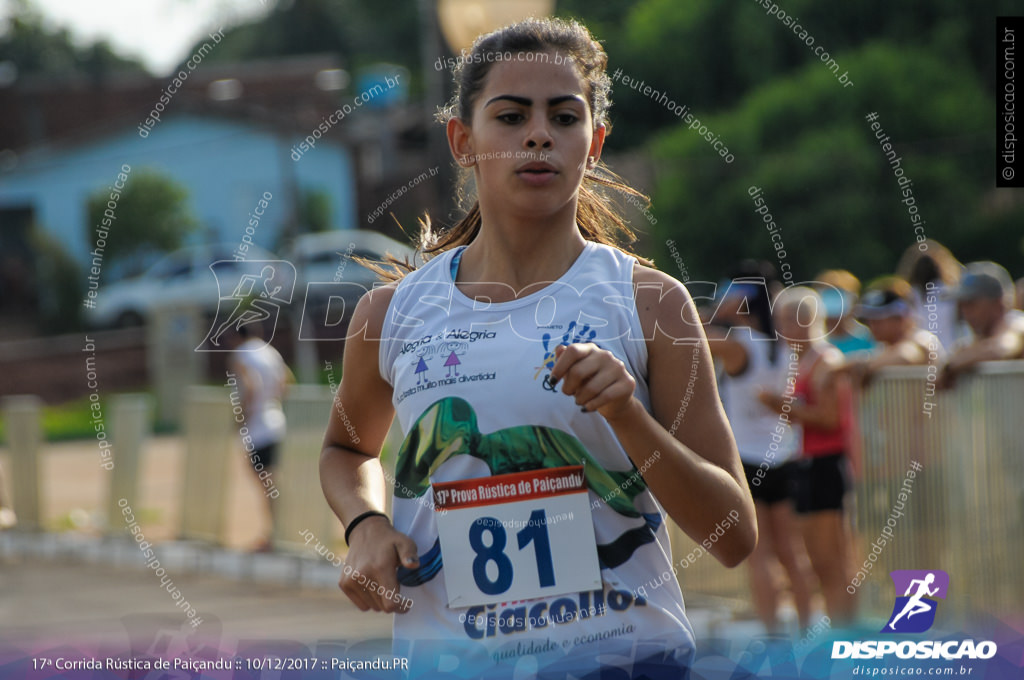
(454, 266)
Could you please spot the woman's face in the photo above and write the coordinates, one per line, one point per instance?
(530, 136)
(888, 330)
(799, 320)
(787, 326)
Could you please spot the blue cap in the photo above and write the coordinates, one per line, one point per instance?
(882, 304)
(837, 302)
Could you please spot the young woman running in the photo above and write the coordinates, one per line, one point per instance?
(535, 369)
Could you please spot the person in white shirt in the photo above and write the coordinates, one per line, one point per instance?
(263, 379)
(754, 359)
(932, 271)
(7, 517)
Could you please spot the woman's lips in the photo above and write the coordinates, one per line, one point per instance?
(537, 174)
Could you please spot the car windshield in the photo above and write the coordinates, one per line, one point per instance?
(175, 265)
(323, 257)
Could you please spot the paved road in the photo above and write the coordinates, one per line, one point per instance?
(51, 602)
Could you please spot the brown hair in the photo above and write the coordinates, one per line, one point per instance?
(932, 262)
(895, 285)
(597, 217)
(841, 279)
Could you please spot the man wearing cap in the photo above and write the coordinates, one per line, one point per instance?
(983, 298)
(887, 307)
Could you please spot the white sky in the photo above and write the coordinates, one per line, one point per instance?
(157, 32)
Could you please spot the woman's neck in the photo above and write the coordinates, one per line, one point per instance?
(511, 258)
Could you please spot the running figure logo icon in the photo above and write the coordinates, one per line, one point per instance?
(258, 289)
(914, 611)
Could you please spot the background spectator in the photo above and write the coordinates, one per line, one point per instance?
(7, 517)
(744, 342)
(932, 272)
(844, 331)
(823, 475)
(263, 378)
(984, 298)
(887, 308)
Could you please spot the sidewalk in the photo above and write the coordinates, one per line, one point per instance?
(84, 583)
(74, 490)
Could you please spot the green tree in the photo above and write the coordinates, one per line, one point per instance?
(151, 215)
(357, 32)
(603, 19)
(828, 185)
(59, 283)
(315, 211)
(37, 50)
(710, 54)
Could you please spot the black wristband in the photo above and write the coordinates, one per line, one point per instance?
(354, 523)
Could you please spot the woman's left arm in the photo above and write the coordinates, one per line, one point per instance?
(685, 446)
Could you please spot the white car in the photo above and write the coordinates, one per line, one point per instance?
(184, 276)
(327, 256)
(325, 260)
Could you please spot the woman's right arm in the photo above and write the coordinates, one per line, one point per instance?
(350, 471)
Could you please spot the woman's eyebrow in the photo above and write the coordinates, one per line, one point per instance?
(526, 101)
(554, 101)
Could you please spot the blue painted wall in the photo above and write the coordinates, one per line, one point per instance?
(225, 165)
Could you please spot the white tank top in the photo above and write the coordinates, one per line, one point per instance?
(760, 434)
(267, 370)
(470, 386)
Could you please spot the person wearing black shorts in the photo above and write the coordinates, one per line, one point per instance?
(822, 477)
(262, 380)
(753, 361)
(773, 485)
(266, 455)
(821, 483)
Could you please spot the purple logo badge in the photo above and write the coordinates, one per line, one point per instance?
(914, 610)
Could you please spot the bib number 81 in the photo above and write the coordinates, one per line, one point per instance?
(535, 531)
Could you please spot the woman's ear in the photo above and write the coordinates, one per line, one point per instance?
(460, 142)
(596, 144)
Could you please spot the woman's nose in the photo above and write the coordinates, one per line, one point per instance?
(539, 136)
